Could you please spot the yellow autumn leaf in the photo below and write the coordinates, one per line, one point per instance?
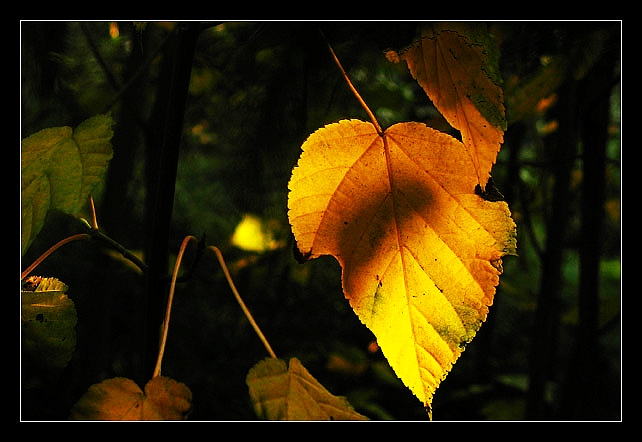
(420, 249)
(456, 65)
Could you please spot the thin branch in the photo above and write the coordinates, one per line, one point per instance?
(94, 219)
(52, 249)
(247, 313)
(355, 92)
(98, 235)
(170, 300)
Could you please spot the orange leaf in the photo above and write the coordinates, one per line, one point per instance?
(122, 399)
(419, 249)
(453, 63)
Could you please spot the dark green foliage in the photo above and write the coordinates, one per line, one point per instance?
(256, 91)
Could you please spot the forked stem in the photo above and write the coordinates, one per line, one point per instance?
(246, 311)
(355, 92)
(170, 300)
(93, 233)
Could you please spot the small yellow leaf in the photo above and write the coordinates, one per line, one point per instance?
(122, 399)
(419, 247)
(279, 392)
(255, 235)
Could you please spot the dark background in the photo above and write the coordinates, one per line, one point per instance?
(551, 347)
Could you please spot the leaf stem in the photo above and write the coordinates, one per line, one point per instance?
(355, 92)
(94, 220)
(98, 235)
(170, 300)
(247, 313)
(52, 249)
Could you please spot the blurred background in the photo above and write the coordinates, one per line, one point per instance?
(551, 347)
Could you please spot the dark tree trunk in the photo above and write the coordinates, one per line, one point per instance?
(545, 331)
(162, 164)
(582, 393)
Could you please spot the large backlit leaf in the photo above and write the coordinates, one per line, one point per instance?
(420, 249)
(122, 399)
(48, 325)
(456, 65)
(279, 392)
(60, 169)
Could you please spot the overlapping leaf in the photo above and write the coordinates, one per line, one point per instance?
(456, 65)
(407, 213)
(419, 248)
(60, 168)
(279, 392)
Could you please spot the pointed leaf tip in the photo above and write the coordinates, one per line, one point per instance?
(418, 247)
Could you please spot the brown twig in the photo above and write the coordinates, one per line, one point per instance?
(355, 92)
(247, 313)
(52, 249)
(170, 300)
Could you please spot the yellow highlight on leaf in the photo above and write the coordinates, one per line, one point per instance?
(420, 249)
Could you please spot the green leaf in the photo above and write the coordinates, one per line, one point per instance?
(282, 393)
(48, 325)
(93, 137)
(60, 169)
